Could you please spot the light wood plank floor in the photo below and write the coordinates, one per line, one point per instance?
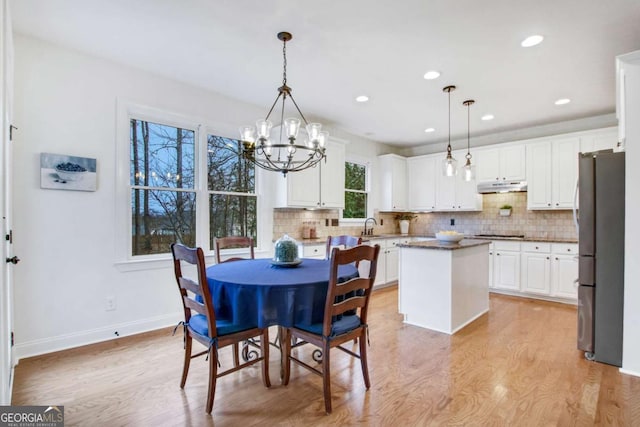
(518, 365)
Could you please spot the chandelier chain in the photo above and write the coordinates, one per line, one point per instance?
(284, 62)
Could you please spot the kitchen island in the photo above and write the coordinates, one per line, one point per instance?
(443, 286)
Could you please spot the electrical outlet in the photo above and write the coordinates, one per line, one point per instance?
(110, 303)
(453, 221)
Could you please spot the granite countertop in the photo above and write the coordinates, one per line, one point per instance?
(323, 240)
(435, 244)
(527, 239)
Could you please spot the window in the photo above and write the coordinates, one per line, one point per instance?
(163, 197)
(355, 190)
(169, 201)
(232, 198)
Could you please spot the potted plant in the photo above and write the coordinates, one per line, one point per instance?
(404, 219)
(505, 210)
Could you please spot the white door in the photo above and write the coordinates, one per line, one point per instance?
(6, 294)
(507, 270)
(535, 273)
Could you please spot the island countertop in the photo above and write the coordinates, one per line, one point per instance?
(436, 244)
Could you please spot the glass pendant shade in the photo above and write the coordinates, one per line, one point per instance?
(313, 129)
(247, 133)
(449, 166)
(469, 171)
(264, 128)
(292, 125)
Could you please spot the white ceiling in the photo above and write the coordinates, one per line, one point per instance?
(382, 48)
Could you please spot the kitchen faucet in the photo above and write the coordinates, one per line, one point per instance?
(370, 232)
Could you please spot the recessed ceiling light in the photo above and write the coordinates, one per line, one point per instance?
(362, 98)
(487, 117)
(562, 101)
(428, 130)
(430, 75)
(532, 41)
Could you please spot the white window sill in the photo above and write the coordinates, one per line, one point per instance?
(166, 261)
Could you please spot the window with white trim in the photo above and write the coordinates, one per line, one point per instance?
(356, 191)
(168, 195)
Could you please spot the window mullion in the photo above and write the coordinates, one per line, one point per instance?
(202, 193)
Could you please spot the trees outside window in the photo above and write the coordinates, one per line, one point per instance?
(164, 188)
(355, 192)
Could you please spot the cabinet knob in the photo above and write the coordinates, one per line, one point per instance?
(548, 204)
(498, 254)
(497, 178)
(557, 204)
(569, 250)
(504, 179)
(556, 258)
(548, 258)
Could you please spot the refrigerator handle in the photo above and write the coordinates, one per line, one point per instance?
(575, 207)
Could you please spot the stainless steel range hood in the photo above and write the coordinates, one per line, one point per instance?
(501, 186)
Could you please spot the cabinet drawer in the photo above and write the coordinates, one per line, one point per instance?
(314, 251)
(391, 243)
(504, 245)
(565, 248)
(540, 247)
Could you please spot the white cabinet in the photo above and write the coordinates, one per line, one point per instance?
(421, 182)
(393, 182)
(453, 193)
(564, 270)
(388, 264)
(602, 139)
(319, 187)
(552, 171)
(312, 251)
(506, 267)
(500, 164)
(536, 267)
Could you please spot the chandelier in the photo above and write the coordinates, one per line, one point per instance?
(290, 155)
(449, 164)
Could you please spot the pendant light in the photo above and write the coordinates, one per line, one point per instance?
(468, 170)
(449, 164)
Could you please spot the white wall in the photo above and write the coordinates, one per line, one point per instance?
(631, 344)
(66, 103)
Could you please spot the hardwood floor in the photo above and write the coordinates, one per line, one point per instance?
(518, 365)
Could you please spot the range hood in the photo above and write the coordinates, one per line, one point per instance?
(501, 186)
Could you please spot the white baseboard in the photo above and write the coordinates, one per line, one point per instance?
(628, 372)
(78, 339)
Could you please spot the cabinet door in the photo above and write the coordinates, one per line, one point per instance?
(303, 188)
(487, 165)
(507, 270)
(467, 197)
(332, 177)
(491, 260)
(539, 175)
(445, 192)
(564, 273)
(535, 273)
(391, 261)
(392, 183)
(564, 174)
(512, 163)
(599, 140)
(421, 183)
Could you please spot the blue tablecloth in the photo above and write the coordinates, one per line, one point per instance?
(256, 292)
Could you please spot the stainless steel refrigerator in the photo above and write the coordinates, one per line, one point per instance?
(601, 255)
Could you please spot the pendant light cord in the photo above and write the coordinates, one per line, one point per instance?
(449, 144)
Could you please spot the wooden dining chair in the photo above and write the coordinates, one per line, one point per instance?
(343, 241)
(200, 323)
(233, 242)
(337, 326)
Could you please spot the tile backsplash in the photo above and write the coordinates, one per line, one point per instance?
(533, 224)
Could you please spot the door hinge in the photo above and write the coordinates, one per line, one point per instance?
(12, 340)
(11, 128)
(9, 237)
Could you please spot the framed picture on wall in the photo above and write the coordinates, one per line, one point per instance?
(62, 172)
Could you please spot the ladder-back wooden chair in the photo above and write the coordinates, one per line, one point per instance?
(233, 242)
(200, 323)
(338, 326)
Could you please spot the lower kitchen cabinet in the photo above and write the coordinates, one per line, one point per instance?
(506, 265)
(564, 271)
(312, 251)
(388, 262)
(537, 269)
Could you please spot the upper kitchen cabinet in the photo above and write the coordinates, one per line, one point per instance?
(500, 164)
(319, 187)
(552, 170)
(454, 193)
(393, 182)
(421, 182)
(601, 139)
